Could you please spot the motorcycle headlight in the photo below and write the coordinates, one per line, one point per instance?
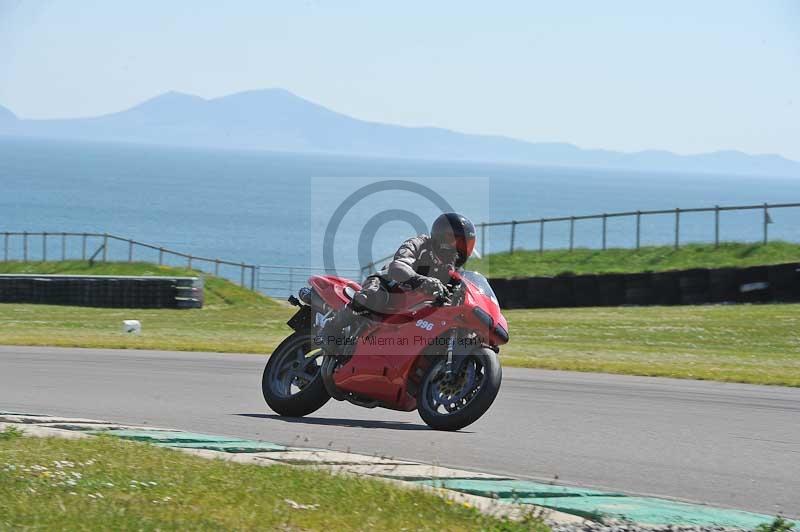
(483, 317)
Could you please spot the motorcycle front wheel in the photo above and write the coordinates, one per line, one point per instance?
(451, 402)
(292, 381)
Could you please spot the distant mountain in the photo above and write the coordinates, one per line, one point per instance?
(6, 116)
(275, 119)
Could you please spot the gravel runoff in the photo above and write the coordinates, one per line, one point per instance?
(632, 527)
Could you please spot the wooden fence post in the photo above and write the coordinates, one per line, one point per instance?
(513, 235)
(44, 246)
(677, 228)
(716, 226)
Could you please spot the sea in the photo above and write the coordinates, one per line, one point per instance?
(317, 210)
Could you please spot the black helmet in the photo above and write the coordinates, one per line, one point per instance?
(453, 232)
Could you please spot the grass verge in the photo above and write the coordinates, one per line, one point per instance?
(233, 319)
(109, 484)
(524, 263)
(758, 344)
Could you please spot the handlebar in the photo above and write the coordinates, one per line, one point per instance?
(442, 299)
(447, 296)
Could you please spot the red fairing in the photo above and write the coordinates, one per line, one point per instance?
(331, 289)
(388, 357)
(476, 299)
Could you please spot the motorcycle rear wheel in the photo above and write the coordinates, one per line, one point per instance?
(292, 382)
(452, 403)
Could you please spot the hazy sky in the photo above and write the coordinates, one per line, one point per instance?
(687, 76)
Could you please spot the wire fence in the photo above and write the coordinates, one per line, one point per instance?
(104, 247)
(639, 229)
(282, 281)
(636, 236)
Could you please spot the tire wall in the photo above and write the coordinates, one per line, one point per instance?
(757, 284)
(117, 292)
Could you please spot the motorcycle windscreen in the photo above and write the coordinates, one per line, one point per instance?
(480, 283)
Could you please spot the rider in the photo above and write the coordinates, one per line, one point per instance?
(421, 263)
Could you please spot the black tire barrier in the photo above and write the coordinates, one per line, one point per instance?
(586, 291)
(539, 292)
(517, 289)
(784, 282)
(103, 291)
(562, 293)
(638, 289)
(754, 286)
(612, 289)
(666, 288)
(723, 286)
(758, 284)
(694, 286)
(500, 287)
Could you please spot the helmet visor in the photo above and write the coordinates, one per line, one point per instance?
(465, 246)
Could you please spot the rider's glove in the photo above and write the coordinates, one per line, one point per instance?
(431, 285)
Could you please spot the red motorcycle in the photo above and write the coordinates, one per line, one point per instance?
(434, 353)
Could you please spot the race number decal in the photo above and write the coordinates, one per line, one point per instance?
(424, 324)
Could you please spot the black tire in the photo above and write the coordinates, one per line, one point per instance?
(475, 406)
(309, 397)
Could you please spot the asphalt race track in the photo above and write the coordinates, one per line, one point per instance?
(730, 445)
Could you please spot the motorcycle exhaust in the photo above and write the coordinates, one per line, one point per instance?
(309, 296)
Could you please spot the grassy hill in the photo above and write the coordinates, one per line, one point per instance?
(525, 263)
